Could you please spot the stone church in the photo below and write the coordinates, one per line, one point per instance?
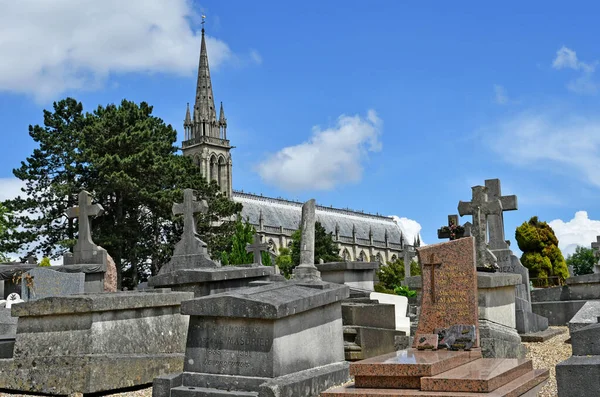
(360, 236)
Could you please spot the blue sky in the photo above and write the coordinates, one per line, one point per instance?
(386, 107)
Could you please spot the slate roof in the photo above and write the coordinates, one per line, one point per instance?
(279, 212)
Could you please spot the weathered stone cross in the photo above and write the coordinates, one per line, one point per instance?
(433, 262)
(188, 208)
(447, 232)
(83, 212)
(479, 207)
(596, 247)
(496, 221)
(257, 248)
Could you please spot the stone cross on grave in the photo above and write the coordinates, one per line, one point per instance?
(83, 212)
(257, 248)
(433, 262)
(479, 207)
(188, 209)
(496, 221)
(453, 231)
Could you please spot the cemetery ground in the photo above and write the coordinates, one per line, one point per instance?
(544, 355)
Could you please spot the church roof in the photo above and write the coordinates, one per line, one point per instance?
(280, 212)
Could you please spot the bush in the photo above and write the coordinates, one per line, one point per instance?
(45, 262)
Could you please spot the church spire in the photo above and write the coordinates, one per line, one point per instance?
(204, 108)
(187, 123)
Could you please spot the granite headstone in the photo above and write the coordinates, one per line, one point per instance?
(40, 283)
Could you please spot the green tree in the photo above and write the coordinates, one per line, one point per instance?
(243, 235)
(4, 230)
(127, 159)
(391, 275)
(583, 261)
(45, 262)
(284, 261)
(541, 254)
(325, 247)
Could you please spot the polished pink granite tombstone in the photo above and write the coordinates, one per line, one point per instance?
(449, 293)
(427, 342)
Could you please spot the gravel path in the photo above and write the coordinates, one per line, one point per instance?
(544, 355)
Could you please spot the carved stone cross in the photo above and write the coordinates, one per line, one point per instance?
(496, 221)
(453, 230)
(433, 262)
(479, 207)
(257, 248)
(596, 247)
(188, 208)
(83, 212)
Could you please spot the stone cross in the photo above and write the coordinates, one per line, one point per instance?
(433, 262)
(83, 212)
(307, 269)
(496, 221)
(188, 209)
(257, 248)
(447, 232)
(479, 207)
(407, 259)
(596, 247)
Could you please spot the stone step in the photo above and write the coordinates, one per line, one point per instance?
(483, 375)
(526, 385)
(413, 362)
(188, 391)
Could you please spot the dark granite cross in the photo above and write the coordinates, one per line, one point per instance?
(496, 221)
(596, 247)
(453, 231)
(83, 212)
(433, 262)
(188, 208)
(257, 248)
(479, 207)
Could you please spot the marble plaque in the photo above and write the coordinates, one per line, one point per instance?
(449, 292)
(459, 337)
(41, 282)
(427, 342)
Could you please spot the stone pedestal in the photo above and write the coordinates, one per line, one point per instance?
(358, 275)
(282, 339)
(95, 343)
(579, 375)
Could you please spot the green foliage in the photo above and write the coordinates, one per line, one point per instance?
(45, 262)
(379, 287)
(127, 159)
(391, 275)
(284, 262)
(5, 229)
(404, 290)
(325, 247)
(541, 254)
(243, 234)
(583, 261)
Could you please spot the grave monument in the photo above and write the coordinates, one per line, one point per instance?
(192, 269)
(278, 339)
(449, 306)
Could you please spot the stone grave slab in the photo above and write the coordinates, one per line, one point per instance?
(449, 294)
(41, 282)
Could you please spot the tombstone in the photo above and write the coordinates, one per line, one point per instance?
(87, 257)
(282, 339)
(479, 208)
(42, 282)
(453, 231)
(307, 270)
(595, 247)
(526, 321)
(257, 248)
(191, 268)
(449, 293)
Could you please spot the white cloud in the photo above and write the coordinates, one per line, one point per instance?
(581, 230)
(562, 143)
(331, 157)
(410, 228)
(501, 95)
(10, 188)
(566, 58)
(49, 47)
